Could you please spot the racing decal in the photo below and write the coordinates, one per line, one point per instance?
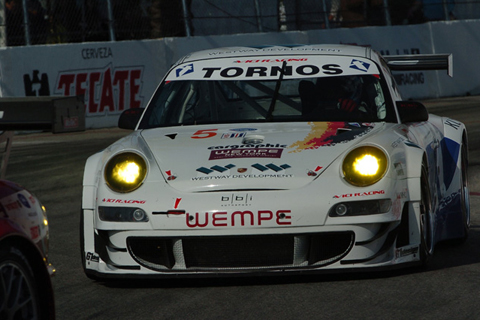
(106, 90)
(256, 152)
(271, 166)
(257, 166)
(399, 169)
(402, 252)
(92, 257)
(266, 68)
(327, 134)
(35, 232)
(452, 123)
(216, 168)
(170, 175)
(123, 201)
(238, 218)
(23, 200)
(397, 203)
(244, 176)
(270, 71)
(233, 135)
(450, 153)
(243, 129)
(177, 202)
(183, 70)
(359, 194)
(15, 205)
(270, 60)
(313, 173)
(236, 200)
(359, 65)
(204, 134)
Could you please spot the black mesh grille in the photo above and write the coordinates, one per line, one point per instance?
(238, 252)
(152, 252)
(326, 248)
(242, 252)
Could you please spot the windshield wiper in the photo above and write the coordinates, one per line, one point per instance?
(269, 116)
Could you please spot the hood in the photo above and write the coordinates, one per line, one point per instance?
(266, 156)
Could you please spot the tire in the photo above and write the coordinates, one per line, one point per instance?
(426, 233)
(465, 197)
(20, 297)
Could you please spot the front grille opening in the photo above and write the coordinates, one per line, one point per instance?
(238, 252)
(152, 252)
(326, 248)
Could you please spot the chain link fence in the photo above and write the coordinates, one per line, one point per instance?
(31, 22)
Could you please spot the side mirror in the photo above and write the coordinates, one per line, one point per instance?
(129, 118)
(412, 111)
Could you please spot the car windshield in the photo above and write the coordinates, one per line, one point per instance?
(352, 98)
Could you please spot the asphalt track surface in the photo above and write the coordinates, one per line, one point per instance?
(51, 166)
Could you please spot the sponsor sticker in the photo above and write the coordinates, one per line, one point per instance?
(183, 70)
(359, 65)
(246, 153)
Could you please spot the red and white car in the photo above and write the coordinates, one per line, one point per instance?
(25, 287)
(276, 160)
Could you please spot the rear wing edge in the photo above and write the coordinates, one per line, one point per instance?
(421, 62)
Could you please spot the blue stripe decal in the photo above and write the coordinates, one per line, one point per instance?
(450, 152)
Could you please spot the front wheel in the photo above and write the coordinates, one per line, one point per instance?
(19, 295)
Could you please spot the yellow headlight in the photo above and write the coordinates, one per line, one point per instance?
(125, 172)
(364, 166)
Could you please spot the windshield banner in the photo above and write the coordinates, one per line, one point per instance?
(270, 68)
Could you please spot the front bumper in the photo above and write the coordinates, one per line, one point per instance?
(152, 254)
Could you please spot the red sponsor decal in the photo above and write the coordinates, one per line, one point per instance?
(35, 232)
(105, 90)
(246, 153)
(13, 205)
(177, 202)
(270, 60)
(359, 194)
(203, 134)
(238, 218)
(170, 176)
(123, 201)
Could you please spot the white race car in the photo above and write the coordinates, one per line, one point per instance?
(276, 160)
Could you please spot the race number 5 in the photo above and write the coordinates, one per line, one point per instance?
(203, 134)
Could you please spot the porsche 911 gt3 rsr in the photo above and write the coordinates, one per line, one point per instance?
(276, 160)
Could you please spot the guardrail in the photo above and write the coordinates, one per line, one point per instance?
(56, 114)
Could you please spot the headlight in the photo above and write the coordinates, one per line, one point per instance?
(125, 172)
(364, 166)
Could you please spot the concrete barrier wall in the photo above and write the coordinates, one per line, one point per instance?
(114, 76)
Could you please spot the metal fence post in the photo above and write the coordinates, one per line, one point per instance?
(386, 11)
(111, 26)
(186, 19)
(445, 10)
(26, 23)
(259, 16)
(325, 15)
(3, 25)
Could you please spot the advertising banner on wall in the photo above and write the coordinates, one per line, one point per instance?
(114, 76)
(111, 77)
